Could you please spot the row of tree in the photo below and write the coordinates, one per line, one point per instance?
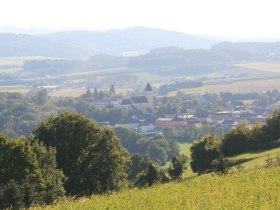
(209, 153)
(70, 154)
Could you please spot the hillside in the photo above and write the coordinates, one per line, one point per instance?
(84, 44)
(245, 190)
(249, 188)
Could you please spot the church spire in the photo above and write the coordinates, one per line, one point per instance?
(148, 87)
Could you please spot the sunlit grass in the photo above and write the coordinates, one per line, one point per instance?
(244, 190)
(255, 160)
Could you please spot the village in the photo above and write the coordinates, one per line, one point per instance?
(143, 115)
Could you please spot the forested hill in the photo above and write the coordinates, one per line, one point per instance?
(84, 44)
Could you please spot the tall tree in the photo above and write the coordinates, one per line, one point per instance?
(90, 156)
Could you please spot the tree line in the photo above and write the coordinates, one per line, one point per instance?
(210, 153)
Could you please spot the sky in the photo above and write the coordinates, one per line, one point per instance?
(224, 18)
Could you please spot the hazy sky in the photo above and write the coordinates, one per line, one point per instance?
(230, 18)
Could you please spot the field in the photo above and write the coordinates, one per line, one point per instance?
(266, 67)
(244, 190)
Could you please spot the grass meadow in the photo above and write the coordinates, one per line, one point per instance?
(258, 189)
(250, 188)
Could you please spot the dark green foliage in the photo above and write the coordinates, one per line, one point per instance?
(11, 196)
(31, 170)
(158, 150)
(91, 157)
(220, 164)
(203, 152)
(236, 141)
(139, 163)
(178, 165)
(156, 147)
(272, 128)
(152, 176)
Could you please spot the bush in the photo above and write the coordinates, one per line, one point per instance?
(178, 165)
(203, 152)
(152, 176)
(236, 141)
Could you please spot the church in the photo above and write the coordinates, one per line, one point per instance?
(142, 103)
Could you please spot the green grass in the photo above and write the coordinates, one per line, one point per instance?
(250, 188)
(255, 160)
(185, 149)
(244, 190)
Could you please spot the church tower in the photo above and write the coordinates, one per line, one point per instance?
(148, 92)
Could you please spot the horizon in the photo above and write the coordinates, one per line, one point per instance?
(230, 19)
(33, 30)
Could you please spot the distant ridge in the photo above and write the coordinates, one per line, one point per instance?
(84, 44)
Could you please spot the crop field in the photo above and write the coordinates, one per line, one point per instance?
(266, 67)
(14, 64)
(244, 190)
(13, 89)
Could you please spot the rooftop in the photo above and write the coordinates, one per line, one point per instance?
(139, 99)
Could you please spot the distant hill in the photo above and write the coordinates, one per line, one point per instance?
(84, 44)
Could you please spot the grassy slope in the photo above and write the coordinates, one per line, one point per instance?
(248, 189)
(256, 160)
(245, 190)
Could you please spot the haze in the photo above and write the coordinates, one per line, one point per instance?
(235, 19)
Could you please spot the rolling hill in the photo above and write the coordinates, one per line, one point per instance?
(84, 44)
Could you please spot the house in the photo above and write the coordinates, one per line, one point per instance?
(146, 127)
(170, 122)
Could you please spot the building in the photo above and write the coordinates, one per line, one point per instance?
(170, 122)
(143, 103)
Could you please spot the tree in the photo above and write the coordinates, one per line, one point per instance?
(271, 129)
(139, 163)
(101, 95)
(152, 176)
(178, 165)
(28, 168)
(203, 152)
(95, 93)
(236, 141)
(158, 149)
(220, 164)
(11, 196)
(90, 156)
(88, 93)
(41, 96)
(112, 90)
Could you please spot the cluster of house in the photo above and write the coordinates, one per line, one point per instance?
(146, 123)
